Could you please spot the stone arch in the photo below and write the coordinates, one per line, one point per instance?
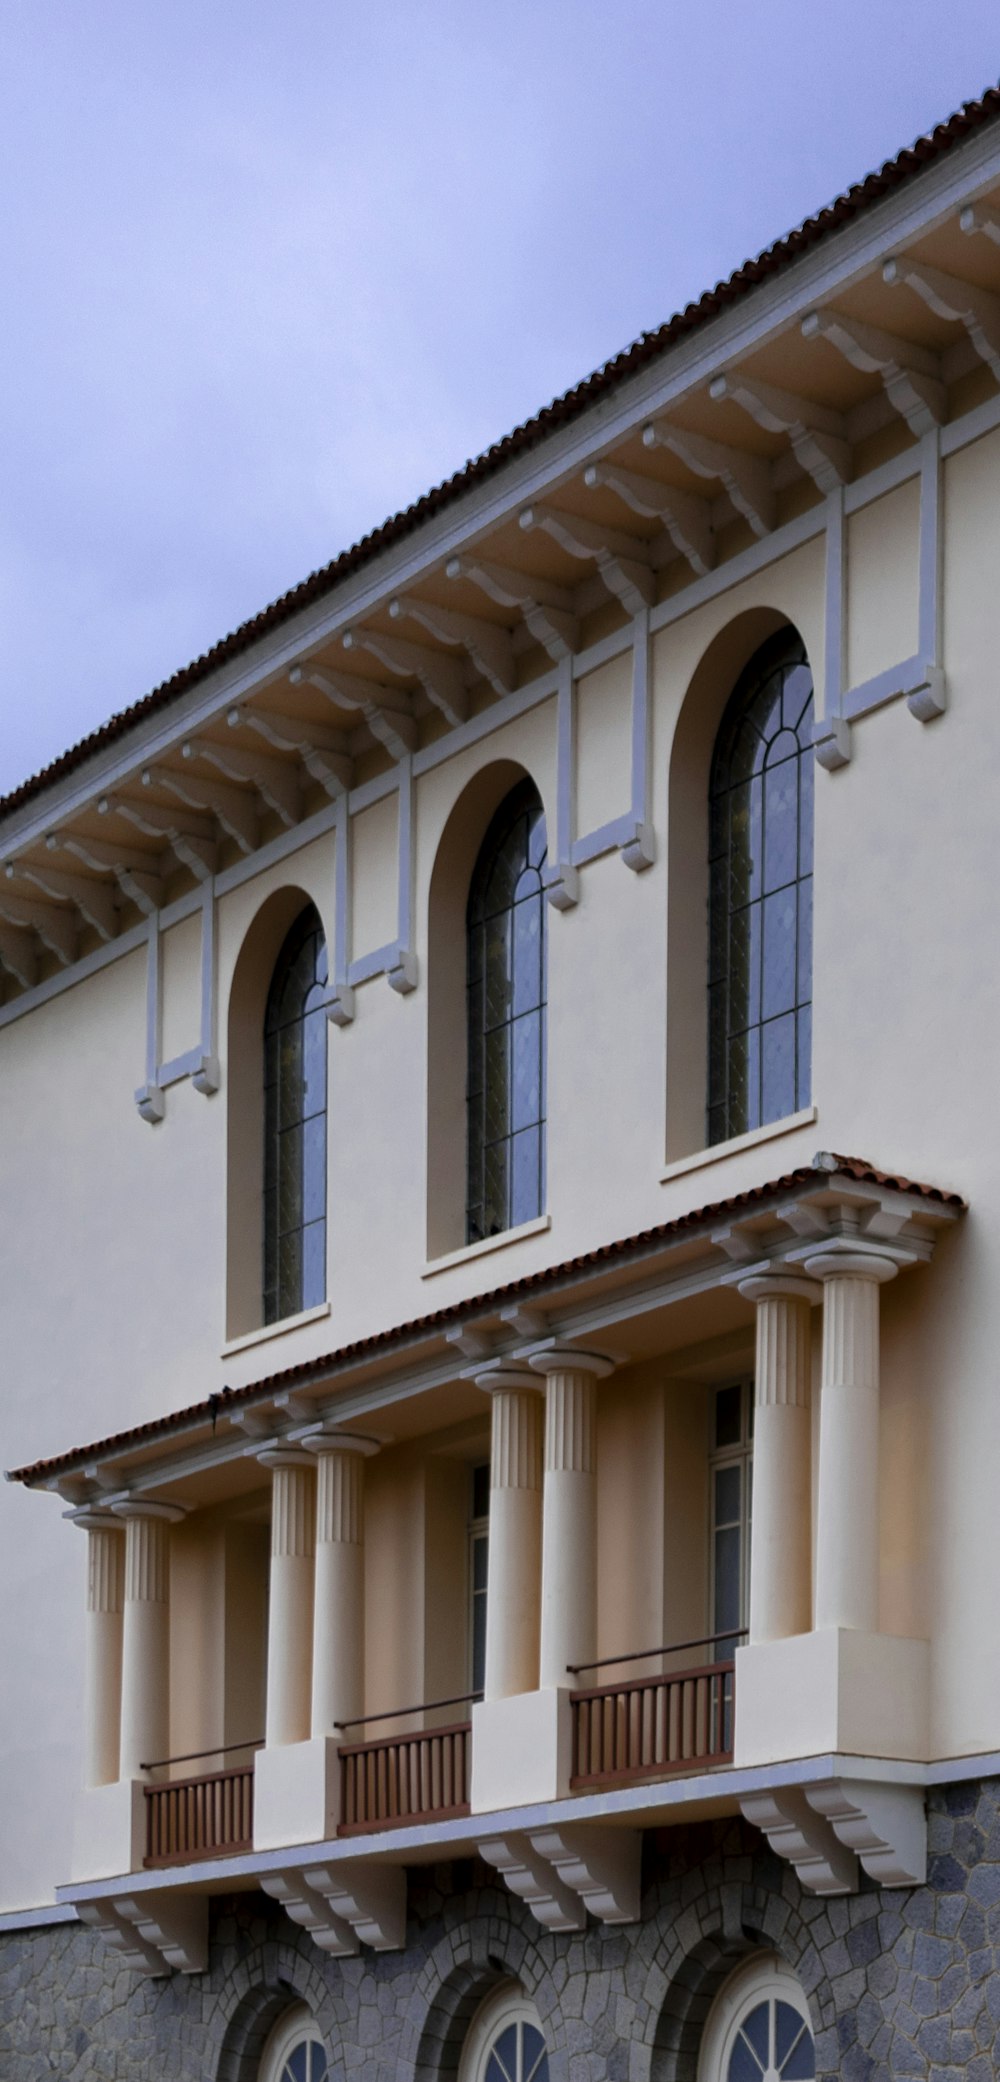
(698, 1950)
(699, 716)
(490, 1945)
(462, 835)
(248, 990)
(271, 1978)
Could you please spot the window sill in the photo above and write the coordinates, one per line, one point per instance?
(719, 1150)
(269, 1330)
(485, 1245)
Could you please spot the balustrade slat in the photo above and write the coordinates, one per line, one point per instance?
(653, 1727)
(208, 1816)
(404, 1778)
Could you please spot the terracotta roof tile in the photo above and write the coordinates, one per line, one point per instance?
(826, 1164)
(863, 195)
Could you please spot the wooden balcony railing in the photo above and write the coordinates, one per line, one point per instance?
(654, 1727)
(210, 1816)
(396, 1779)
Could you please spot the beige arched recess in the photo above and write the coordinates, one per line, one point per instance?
(454, 861)
(245, 1117)
(687, 870)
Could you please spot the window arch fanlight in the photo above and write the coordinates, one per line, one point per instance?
(760, 894)
(759, 2029)
(295, 1038)
(506, 999)
(505, 2041)
(294, 2051)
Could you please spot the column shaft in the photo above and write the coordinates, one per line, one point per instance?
(103, 1653)
(569, 1524)
(847, 1547)
(780, 1557)
(515, 1542)
(290, 1611)
(145, 1722)
(338, 1663)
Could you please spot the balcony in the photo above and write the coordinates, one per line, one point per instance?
(396, 1779)
(208, 1816)
(658, 1726)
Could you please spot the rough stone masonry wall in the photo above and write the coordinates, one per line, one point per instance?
(901, 1984)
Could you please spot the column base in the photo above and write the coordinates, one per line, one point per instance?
(109, 1830)
(832, 1691)
(521, 1750)
(296, 1794)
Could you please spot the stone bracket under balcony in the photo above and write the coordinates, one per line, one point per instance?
(345, 1905)
(153, 1933)
(564, 1874)
(824, 1829)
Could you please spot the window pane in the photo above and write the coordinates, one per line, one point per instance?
(481, 1491)
(744, 2065)
(728, 1404)
(727, 1580)
(289, 1180)
(779, 953)
(314, 1064)
(506, 1025)
(788, 2028)
(526, 1094)
(728, 1488)
(313, 1265)
(525, 1201)
(778, 1064)
(528, 954)
(757, 2029)
(505, 2051)
(314, 1168)
(803, 1090)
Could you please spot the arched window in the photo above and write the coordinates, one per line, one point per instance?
(506, 989)
(295, 1030)
(294, 2051)
(759, 2026)
(505, 2042)
(760, 895)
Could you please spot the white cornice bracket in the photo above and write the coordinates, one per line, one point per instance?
(621, 559)
(94, 900)
(488, 645)
(140, 880)
(911, 375)
(325, 754)
(948, 297)
(549, 612)
(388, 714)
(818, 436)
(684, 515)
(191, 838)
(276, 783)
(746, 478)
(234, 809)
(441, 678)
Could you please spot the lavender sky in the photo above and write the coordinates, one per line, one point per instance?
(271, 271)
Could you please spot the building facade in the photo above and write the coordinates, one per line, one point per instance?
(500, 1226)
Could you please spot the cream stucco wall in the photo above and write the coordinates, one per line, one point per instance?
(114, 1234)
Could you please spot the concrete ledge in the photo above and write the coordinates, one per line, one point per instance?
(296, 1794)
(833, 1690)
(109, 1830)
(521, 1750)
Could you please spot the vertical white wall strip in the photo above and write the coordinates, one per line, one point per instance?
(403, 971)
(149, 1097)
(832, 735)
(639, 850)
(341, 999)
(206, 1078)
(562, 883)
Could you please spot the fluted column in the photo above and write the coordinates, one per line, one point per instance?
(338, 1654)
(103, 1648)
(847, 1544)
(569, 1511)
(514, 1559)
(290, 1605)
(145, 1685)
(780, 1536)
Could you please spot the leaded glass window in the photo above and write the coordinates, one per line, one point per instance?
(505, 2042)
(760, 895)
(506, 988)
(773, 2040)
(295, 1031)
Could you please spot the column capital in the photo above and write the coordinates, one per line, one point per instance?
(138, 1508)
(321, 1440)
(557, 1358)
(509, 1374)
(91, 1519)
(856, 1263)
(780, 1286)
(277, 1456)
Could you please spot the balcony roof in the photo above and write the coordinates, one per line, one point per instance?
(775, 1223)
